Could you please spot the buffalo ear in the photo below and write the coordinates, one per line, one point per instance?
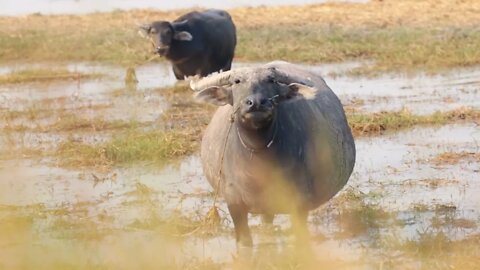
(216, 95)
(146, 28)
(297, 90)
(183, 35)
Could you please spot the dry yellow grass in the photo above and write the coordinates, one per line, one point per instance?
(450, 158)
(399, 35)
(386, 13)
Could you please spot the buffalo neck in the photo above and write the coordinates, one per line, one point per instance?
(259, 139)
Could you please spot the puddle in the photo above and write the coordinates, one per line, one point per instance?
(11, 8)
(143, 105)
(419, 94)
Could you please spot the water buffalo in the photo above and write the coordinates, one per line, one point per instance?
(197, 43)
(278, 143)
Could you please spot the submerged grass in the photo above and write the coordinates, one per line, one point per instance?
(398, 35)
(42, 75)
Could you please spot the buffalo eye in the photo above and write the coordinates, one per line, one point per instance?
(249, 102)
(237, 81)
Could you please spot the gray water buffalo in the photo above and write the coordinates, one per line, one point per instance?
(197, 43)
(278, 143)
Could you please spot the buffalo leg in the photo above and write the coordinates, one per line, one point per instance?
(240, 222)
(178, 74)
(299, 225)
(267, 219)
(228, 66)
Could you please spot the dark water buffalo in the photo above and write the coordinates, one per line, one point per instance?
(279, 143)
(197, 43)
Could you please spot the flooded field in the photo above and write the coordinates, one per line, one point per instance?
(412, 197)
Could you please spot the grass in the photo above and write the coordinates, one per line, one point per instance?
(185, 121)
(42, 75)
(378, 123)
(397, 35)
(178, 132)
(179, 136)
(450, 158)
(394, 49)
(157, 148)
(68, 122)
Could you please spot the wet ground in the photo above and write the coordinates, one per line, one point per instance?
(396, 188)
(11, 7)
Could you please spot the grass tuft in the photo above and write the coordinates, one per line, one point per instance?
(377, 123)
(42, 75)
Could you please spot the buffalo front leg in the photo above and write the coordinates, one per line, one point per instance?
(267, 219)
(299, 225)
(240, 222)
(178, 74)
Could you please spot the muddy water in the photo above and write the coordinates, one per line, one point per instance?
(418, 93)
(393, 169)
(390, 173)
(11, 7)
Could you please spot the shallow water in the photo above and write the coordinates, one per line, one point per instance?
(393, 172)
(421, 94)
(418, 93)
(11, 7)
(392, 167)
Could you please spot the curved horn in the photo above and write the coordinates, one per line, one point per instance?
(287, 79)
(180, 22)
(216, 79)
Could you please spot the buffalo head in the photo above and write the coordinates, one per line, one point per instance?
(254, 93)
(162, 33)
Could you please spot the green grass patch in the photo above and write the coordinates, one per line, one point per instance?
(154, 148)
(40, 75)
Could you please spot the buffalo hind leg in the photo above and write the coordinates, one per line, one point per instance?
(239, 216)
